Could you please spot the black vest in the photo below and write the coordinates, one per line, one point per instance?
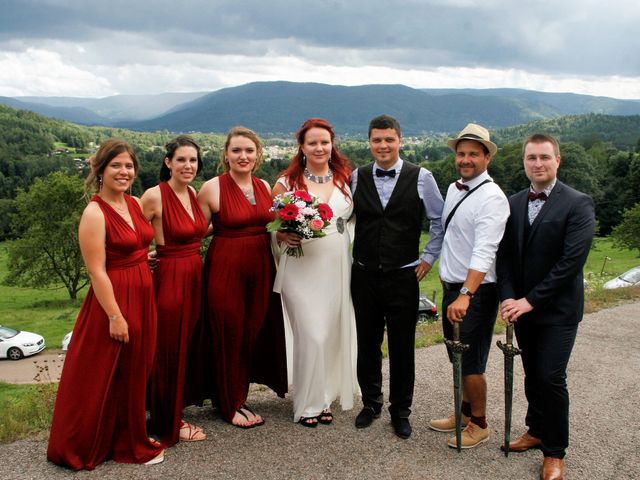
(387, 239)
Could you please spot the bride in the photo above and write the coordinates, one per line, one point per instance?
(315, 287)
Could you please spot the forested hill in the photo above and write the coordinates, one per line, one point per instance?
(74, 114)
(600, 156)
(32, 145)
(25, 133)
(280, 107)
(622, 132)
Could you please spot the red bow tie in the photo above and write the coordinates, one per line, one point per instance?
(462, 186)
(537, 196)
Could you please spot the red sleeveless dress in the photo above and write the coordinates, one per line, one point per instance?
(245, 315)
(178, 286)
(100, 408)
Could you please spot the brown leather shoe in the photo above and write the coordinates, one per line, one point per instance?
(524, 443)
(552, 469)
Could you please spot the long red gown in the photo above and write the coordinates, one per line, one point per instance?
(245, 315)
(178, 286)
(100, 407)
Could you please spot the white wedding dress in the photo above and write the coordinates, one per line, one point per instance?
(316, 297)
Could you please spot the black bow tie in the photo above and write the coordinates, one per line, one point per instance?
(462, 186)
(537, 196)
(385, 173)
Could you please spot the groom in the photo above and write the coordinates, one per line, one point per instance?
(391, 198)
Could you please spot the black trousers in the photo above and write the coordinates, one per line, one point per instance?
(391, 299)
(476, 329)
(545, 354)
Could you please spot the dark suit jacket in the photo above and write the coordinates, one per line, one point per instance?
(546, 267)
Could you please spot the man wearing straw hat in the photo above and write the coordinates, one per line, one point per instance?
(475, 214)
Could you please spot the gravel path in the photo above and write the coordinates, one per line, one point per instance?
(605, 436)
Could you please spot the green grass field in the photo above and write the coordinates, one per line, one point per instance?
(52, 314)
(26, 409)
(605, 261)
(48, 312)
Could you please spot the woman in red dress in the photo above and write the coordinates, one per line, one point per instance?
(179, 226)
(245, 315)
(100, 407)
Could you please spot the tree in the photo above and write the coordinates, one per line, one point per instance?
(46, 252)
(627, 233)
(7, 209)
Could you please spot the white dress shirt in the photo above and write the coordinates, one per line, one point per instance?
(474, 233)
(428, 193)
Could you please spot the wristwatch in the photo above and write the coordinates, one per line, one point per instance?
(466, 291)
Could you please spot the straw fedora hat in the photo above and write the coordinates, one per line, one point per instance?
(474, 132)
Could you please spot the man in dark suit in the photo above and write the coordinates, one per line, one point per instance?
(540, 263)
(391, 198)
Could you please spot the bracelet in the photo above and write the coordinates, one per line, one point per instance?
(113, 317)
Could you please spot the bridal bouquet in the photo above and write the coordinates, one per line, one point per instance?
(300, 212)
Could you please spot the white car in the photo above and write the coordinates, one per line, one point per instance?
(627, 279)
(427, 310)
(15, 344)
(66, 341)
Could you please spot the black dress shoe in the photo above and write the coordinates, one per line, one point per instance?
(366, 417)
(401, 427)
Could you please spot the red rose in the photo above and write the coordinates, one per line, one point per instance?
(288, 212)
(302, 195)
(325, 212)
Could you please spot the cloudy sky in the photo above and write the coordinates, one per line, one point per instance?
(95, 48)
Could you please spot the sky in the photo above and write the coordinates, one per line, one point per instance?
(98, 48)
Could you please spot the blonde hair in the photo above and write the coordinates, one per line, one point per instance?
(240, 131)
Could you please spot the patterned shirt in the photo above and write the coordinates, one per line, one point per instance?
(536, 205)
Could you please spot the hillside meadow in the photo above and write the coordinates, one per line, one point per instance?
(50, 313)
(27, 408)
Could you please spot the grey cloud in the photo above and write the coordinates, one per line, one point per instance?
(571, 37)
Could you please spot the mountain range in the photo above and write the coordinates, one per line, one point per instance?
(278, 108)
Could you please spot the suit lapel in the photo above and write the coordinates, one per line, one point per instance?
(520, 218)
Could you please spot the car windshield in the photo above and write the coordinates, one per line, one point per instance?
(6, 332)
(632, 276)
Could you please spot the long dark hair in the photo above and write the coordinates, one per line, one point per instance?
(171, 147)
(338, 163)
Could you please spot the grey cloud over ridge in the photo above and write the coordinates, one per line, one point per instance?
(142, 46)
(570, 37)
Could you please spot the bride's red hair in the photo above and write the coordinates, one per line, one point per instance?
(338, 163)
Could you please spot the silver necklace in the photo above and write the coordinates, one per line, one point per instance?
(318, 178)
(118, 208)
(248, 193)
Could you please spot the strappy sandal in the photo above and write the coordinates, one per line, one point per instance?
(308, 422)
(194, 434)
(325, 417)
(251, 425)
(248, 409)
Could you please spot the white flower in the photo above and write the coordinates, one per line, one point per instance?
(301, 204)
(307, 211)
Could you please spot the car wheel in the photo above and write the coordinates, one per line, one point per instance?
(423, 318)
(14, 353)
